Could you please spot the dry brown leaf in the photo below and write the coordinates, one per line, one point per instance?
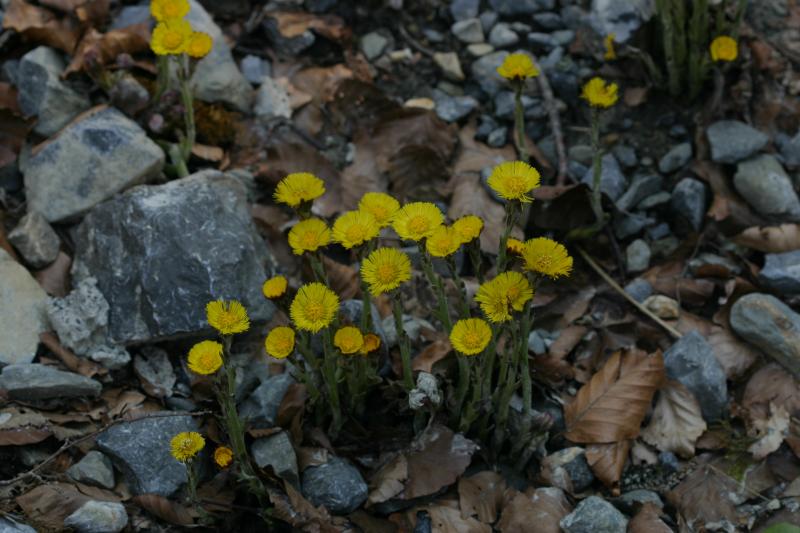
(544, 507)
(214, 154)
(321, 82)
(770, 432)
(771, 384)
(167, 510)
(735, 356)
(294, 23)
(567, 339)
(474, 156)
(22, 426)
(448, 519)
(55, 278)
(293, 403)
(437, 459)
(667, 278)
(607, 462)
(48, 505)
(431, 354)
(294, 509)
(344, 279)
(635, 96)
(77, 364)
(610, 408)
(648, 520)
(41, 25)
(481, 495)
(704, 496)
(389, 481)
(18, 437)
(677, 421)
(103, 48)
(728, 209)
(771, 239)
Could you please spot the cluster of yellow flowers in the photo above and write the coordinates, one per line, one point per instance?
(173, 35)
(185, 446)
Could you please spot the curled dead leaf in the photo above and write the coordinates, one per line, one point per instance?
(436, 460)
(770, 239)
(41, 25)
(607, 462)
(431, 354)
(389, 481)
(295, 23)
(648, 520)
(677, 421)
(544, 507)
(481, 495)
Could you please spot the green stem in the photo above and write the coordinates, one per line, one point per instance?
(597, 168)
(519, 121)
(437, 287)
(187, 99)
(318, 267)
(462, 287)
(512, 214)
(474, 250)
(402, 341)
(162, 78)
(329, 372)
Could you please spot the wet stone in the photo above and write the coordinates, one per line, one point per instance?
(337, 485)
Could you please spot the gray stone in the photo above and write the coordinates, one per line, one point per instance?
(8, 525)
(94, 469)
(130, 15)
(140, 450)
(154, 370)
(691, 361)
(664, 247)
(626, 155)
(468, 31)
(464, 9)
(129, 96)
(612, 181)
(505, 104)
(32, 381)
(639, 289)
(160, 253)
(488, 20)
(630, 225)
(22, 312)
(373, 45)
(521, 7)
(573, 461)
(731, 141)
(36, 240)
(548, 21)
(582, 153)
(412, 325)
(769, 324)
(594, 515)
(637, 256)
(764, 184)
(689, 201)
(255, 69)
(655, 200)
(620, 17)
(536, 343)
(98, 517)
(276, 451)
(484, 70)
(88, 162)
(337, 485)
(790, 149)
(641, 188)
(454, 108)
(502, 35)
(631, 501)
(42, 94)
(450, 65)
(543, 42)
(563, 37)
(272, 101)
(261, 407)
(498, 137)
(677, 158)
(659, 231)
(781, 272)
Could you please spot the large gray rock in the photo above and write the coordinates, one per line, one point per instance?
(43, 94)
(612, 181)
(484, 70)
(769, 324)
(620, 17)
(261, 407)
(731, 141)
(7, 525)
(36, 240)
(140, 450)
(594, 515)
(764, 184)
(98, 517)
(337, 485)
(22, 312)
(781, 272)
(689, 201)
(33, 381)
(94, 469)
(276, 451)
(691, 361)
(521, 7)
(89, 161)
(160, 253)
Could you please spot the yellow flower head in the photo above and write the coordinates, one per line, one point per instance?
(385, 269)
(599, 93)
(184, 446)
(509, 291)
(205, 357)
(223, 456)
(349, 340)
(444, 241)
(227, 317)
(547, 257)
(513, 180)
(199, 45)
(724, 48)
(163, 10)
(371, 343)
(608, 42)
(280, 342)
(417, 220)
(515, 246)
(275, 287)
(309, 235)
(518, 67)
(470, 336)
(468, 227)
(354, 228)
(314, 307)
(171, 37)
(299, 187)
(380, 205)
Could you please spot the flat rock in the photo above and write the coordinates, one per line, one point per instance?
(23, 312)
(731, 141)
(337, 485)
(594, 515)
(373, 44)
(468, 31)
(612, 181)
(781, 272)
(155, 371)
(98, 517)
(677, 158)
(464, 9)
(502, 36)
(35, 240)
(276, 451)
(140, 450)
(160, 253)
(620, 17)
(272, 100)
(261, 407)
(641, 187)
(689, 201)
(450, 65)
(32, 381)
(637, 256)
(521, 7)
(7, 525)
(454, 108)
(91, 160)
(764, 184)
(94, 469)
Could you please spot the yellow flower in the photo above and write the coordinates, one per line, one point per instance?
(608, 42)
(163, 10)
(275, 287)
(470, 336)
(599, 93)
(348, 339)
(513, 180)
(724, 48)
(200, 44)
(417, 220)
(309, 235)
(371, 343)
(444, 241)
(299, 187)
(280, 342)
(385, 269)
(227, 317)
(354, 228)
(205, 357)
(171, 37)
(515, 246)
(314, 307)
(547, 257)
(517, 67)
(380, 205)
(223, 456)
(498, 297)
(184, 446)
(468, 227)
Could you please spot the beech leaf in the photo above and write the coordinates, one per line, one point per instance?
(677, 421)
(607, 462)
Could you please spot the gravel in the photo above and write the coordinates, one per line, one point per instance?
(691, 361)
(689, 202)
(594, 515)
(731, 141)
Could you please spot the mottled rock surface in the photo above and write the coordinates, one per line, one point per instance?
(764, 184)
(98, 517)
(31, 382)
(337, 485)
(94, 469)
(23, 312)
(731, 141)
(691, 361)
(276, 452)
(35, 240)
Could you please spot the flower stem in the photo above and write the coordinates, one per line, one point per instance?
(402, 341)
(462, 287)
(597, 168)
(512, 214)
(519, 121)
(187, 99)
(329, 372)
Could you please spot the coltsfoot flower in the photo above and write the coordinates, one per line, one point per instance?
(385, 269)
(171, 37)
(184, 446)
(275, 287)
(468, 227)
(280, 342)
(299, 187)
(314, 307)
(199, 44)
(417, 220)
(354, 228)
(608, 43)
(515, 246)
(348, 339)
(227, 317)
(205, 357)
(546, 256)
(371, 343)
(163, 10)
(517, 67)
(724, 48)
(223, 456)
(309, 236)
(514, 180)
(443, 242)
(380, 205)
(508, 292)
(470, 336)
(599, 93)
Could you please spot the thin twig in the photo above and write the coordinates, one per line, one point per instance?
(555, 123)
(614, 285)
(416, 45)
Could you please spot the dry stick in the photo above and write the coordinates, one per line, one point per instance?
(555, 124)
(416, 45)
(614, 285)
